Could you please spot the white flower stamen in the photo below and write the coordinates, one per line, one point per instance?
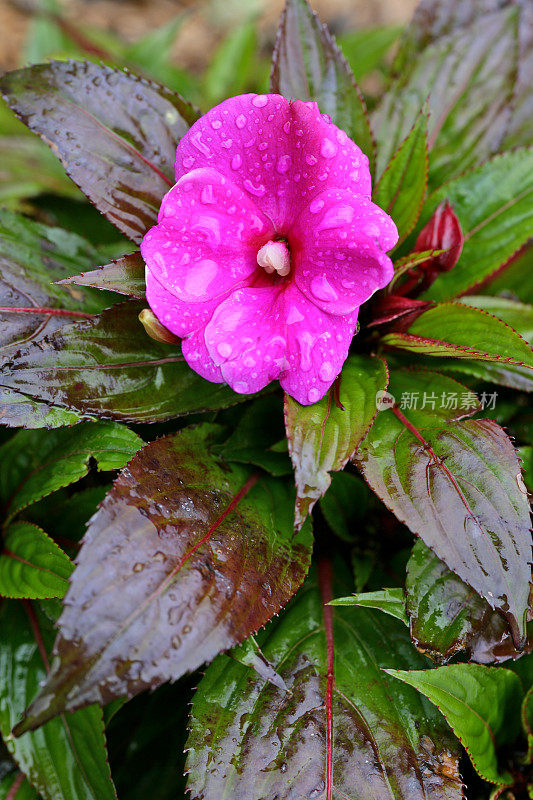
(275, 257)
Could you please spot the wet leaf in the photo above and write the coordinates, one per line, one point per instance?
(41, 462)
(493, 204)
(342, 730)
(124, 275)
(31, 564)
(186, 557)
(479, 703)
(390, 601)
(66, 759)
(249, 653)
(518, 315)
(457, 331)
(308, 65)
(322, 437)
(114, 132)
(402, 187)
(457, 484)
(31, 257)
(445, 614)
(468, 78)
(109, 367)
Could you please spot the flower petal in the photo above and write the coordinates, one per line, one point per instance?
(207, 238)
(245, 338)
(337, 248)
(179, 317)
(281, 152)
(317, 347)
(195, 353)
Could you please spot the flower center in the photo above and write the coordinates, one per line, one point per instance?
(275, 257)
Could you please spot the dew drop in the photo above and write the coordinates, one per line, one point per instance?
(315, 206)
(240, 122)
(284, 164)
(207, 196)
(236, 161)
(322, 289)
(138, 567)
(258, 191)
(326, 371)
(188, 162)
(224, 349)
(260, 101)
(216, 124)
(328, 149)
(313, 395)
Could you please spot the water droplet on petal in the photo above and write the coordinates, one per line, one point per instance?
(207, 196)
(236, 161)
(188, 162)
(326, 371)
(284, 164)
(240, 122)
(216, 124)
(322, 289)
(313, 395)
(258, 191)
(260, 101)
(315, 206)
(224, 349)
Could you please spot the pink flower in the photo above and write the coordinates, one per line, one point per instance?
(266, 246)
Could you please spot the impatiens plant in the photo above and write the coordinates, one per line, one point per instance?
(272, 465)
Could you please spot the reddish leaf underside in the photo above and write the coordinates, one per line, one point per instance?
(185, 558)
(114, 132)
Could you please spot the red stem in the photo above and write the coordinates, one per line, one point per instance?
(15, 786)
(53, 312)
(37, 633)
(325, 582)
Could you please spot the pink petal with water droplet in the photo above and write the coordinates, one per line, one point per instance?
(337, 248)
(196, 355)
(317, 347)
(207, 237)
(245, 338)
(282, 154)
(179, 317)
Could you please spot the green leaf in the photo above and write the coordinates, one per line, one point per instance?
(31, 564)
(108, 367)
(41, 462)
(28, 168)
(322, 437)
(493, 204)
(66, 759)
(115, 133)
(342, 730)
(518, 315)
(249, 653)
(31, 257)
(186, 557)
(308, 65)
(480, 705)
(344, 505)
(124, 275)
(445, 614)
(18, 785)
(390, 601)
(231, 67)
(456, 485)
(402, 187)
(468, 78)
(454, 330)
(365, 49)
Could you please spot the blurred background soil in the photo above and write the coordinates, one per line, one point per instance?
(204, 24)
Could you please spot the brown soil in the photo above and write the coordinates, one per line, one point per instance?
(204, 26)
